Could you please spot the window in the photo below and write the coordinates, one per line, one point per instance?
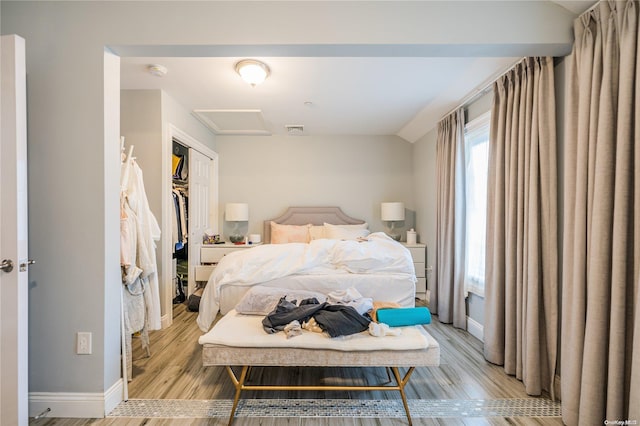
(476, 140)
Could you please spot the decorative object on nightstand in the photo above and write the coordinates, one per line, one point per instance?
(412, 236)
(236, 212)
(210, 237)
(392, 212)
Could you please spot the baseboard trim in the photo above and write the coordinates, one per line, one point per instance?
(76, 404)
(113, 396)
(475, 329)
(166, 320)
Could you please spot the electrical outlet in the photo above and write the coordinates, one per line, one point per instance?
(83, 343)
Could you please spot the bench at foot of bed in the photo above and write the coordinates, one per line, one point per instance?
(241, 341)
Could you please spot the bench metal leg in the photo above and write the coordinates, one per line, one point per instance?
(401, 383)
(240, 385)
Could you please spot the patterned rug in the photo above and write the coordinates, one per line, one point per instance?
(364, 408)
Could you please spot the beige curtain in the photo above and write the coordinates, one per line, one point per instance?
(448, 294)
(600, 342)
(521, 287)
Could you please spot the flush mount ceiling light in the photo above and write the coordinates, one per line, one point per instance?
(252, 71)
(157, 70)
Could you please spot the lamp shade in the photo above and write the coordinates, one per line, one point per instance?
(392, 211)
(236, 212)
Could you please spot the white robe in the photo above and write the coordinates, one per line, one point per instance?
(148, 231)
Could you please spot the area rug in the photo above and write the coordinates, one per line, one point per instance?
(351, 408)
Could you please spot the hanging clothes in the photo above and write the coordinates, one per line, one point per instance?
(139, 230)
(179, 168)
(180, 201)
(176, 230)
(148, 232)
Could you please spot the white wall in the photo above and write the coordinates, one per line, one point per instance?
(355, 173)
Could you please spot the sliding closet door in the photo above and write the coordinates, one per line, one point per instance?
(199, 190)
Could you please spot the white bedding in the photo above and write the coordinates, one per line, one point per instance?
(239, 330)
(398, 288)
(380, 268)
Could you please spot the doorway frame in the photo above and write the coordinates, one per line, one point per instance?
(169, 133)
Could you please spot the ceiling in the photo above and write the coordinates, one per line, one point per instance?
(326, 95)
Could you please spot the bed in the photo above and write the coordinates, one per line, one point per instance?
(339, 254)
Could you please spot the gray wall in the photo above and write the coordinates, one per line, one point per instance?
(425, 192)
(141, 125)
(356, 173)
(144, 117)
(73, 167)
(174, 113)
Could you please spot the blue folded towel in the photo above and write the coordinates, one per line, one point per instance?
(399, 317)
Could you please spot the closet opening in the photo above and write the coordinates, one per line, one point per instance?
(180, 221)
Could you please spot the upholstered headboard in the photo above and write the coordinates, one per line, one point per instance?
(312, 215)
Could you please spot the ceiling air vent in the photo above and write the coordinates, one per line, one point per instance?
(294, 129)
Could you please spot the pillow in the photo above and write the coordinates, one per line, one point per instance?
(281, 234)
(261, 300)
(345, 232)
(316, 232)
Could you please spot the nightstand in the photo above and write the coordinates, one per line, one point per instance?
(419, 255)
(210, 255)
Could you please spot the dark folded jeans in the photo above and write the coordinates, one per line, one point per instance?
(336, 320)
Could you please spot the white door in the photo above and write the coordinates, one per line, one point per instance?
(14, 354)
(199, 180)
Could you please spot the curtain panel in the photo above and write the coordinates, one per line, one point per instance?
(521, 287)
(600, 342)
(447, 298)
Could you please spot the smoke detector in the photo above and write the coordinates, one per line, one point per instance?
(294, 129)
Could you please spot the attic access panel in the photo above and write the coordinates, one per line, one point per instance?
(233, 121)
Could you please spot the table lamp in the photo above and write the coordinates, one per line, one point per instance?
(392, 212)
(236, 212)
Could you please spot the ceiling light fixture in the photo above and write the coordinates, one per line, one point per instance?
(157, 70)
(252, 71)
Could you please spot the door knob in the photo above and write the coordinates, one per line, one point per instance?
(6, 265)
(23, 265)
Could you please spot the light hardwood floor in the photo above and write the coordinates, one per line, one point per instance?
(175, 371)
